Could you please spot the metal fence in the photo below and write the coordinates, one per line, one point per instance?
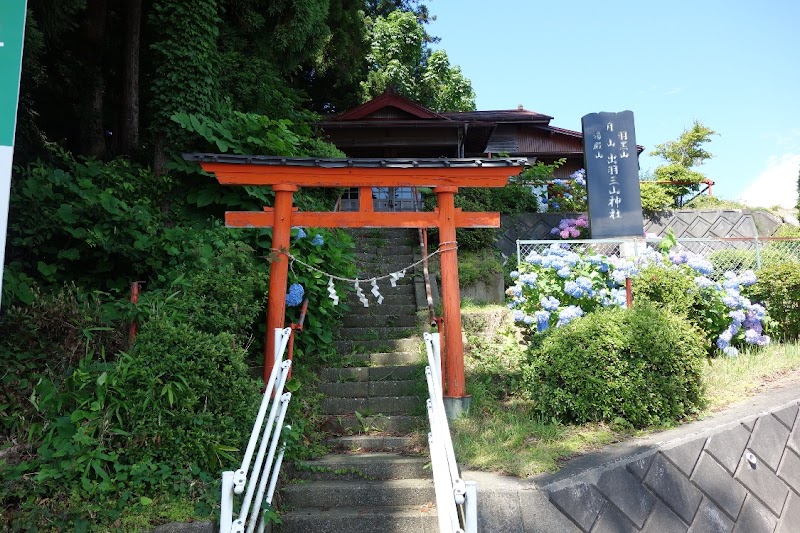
(736, 254)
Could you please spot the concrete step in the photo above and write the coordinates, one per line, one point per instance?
(376, 333)
(409, 519)
(388, 405)
(348, 346)
(378, 443)
(363, 466)
(380, 423)
(366, 373)
(383, 233)
(394, 309)
(379, 320)
(378, 359)
(369, 389)
(344, 493)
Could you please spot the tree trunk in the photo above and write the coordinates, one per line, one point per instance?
(92, 133)
(129, 123)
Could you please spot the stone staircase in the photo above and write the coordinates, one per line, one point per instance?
(376, 479)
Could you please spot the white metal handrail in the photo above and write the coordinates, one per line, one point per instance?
(265, 469)
(456, 500)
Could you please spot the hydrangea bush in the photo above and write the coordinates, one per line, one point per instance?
(567, 195)
(555, 287)
(572, 228)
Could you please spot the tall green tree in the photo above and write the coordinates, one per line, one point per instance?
(682, 156)
(399, 60)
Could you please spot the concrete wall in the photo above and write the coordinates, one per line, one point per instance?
(688, 223)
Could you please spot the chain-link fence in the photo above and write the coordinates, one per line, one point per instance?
(736, 254)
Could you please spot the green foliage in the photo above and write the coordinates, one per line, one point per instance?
(186, 61)
(713, 202)
(80, 220)
(476, 266)
(640, 365)
(398, 60)
(190, 398)
(673, 288)
(682, 155)
(655, 197)
(334, 256)
(48, 337)
(252, 134)
(778, 286)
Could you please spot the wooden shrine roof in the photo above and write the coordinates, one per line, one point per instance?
(356, 162)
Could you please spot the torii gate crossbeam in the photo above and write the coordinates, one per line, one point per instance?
(286, 175)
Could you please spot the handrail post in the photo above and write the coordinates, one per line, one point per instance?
(471, 511)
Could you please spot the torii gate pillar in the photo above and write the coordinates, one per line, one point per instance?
(278, 269)
(456, 400)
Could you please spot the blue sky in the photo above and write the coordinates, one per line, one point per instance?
(733, 65)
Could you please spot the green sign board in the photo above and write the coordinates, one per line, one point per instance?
(12, 31)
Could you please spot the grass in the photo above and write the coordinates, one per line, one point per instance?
(503, 434)
(730, 380)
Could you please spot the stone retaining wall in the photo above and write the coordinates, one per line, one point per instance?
(745, 478)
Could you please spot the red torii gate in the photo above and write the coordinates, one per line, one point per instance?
(286, 175)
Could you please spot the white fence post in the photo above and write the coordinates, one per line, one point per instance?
(266, 467)
(451, 490)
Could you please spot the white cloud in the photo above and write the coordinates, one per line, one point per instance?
(776, 185)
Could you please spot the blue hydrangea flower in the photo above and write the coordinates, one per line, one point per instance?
(564, 272)
(738, 317)
(528, 320)
(573, 289)
(301, 234)
(528, 279)
(722, 343)
(751, 336)
(703, 282)
(295, 295)
(747, 278)
(518, 315)
(758, 311)
(568, 314)
(619, 297)
(678, 257)
(514, 274)
(542, 320)
(701, 264)
(549, 303)
(318, 240)
(726, 335)
(730, 351)
(732, 302)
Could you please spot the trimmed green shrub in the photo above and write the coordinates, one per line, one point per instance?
(641, 365)
(674, 289)
(778, 287)
(190, 398)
